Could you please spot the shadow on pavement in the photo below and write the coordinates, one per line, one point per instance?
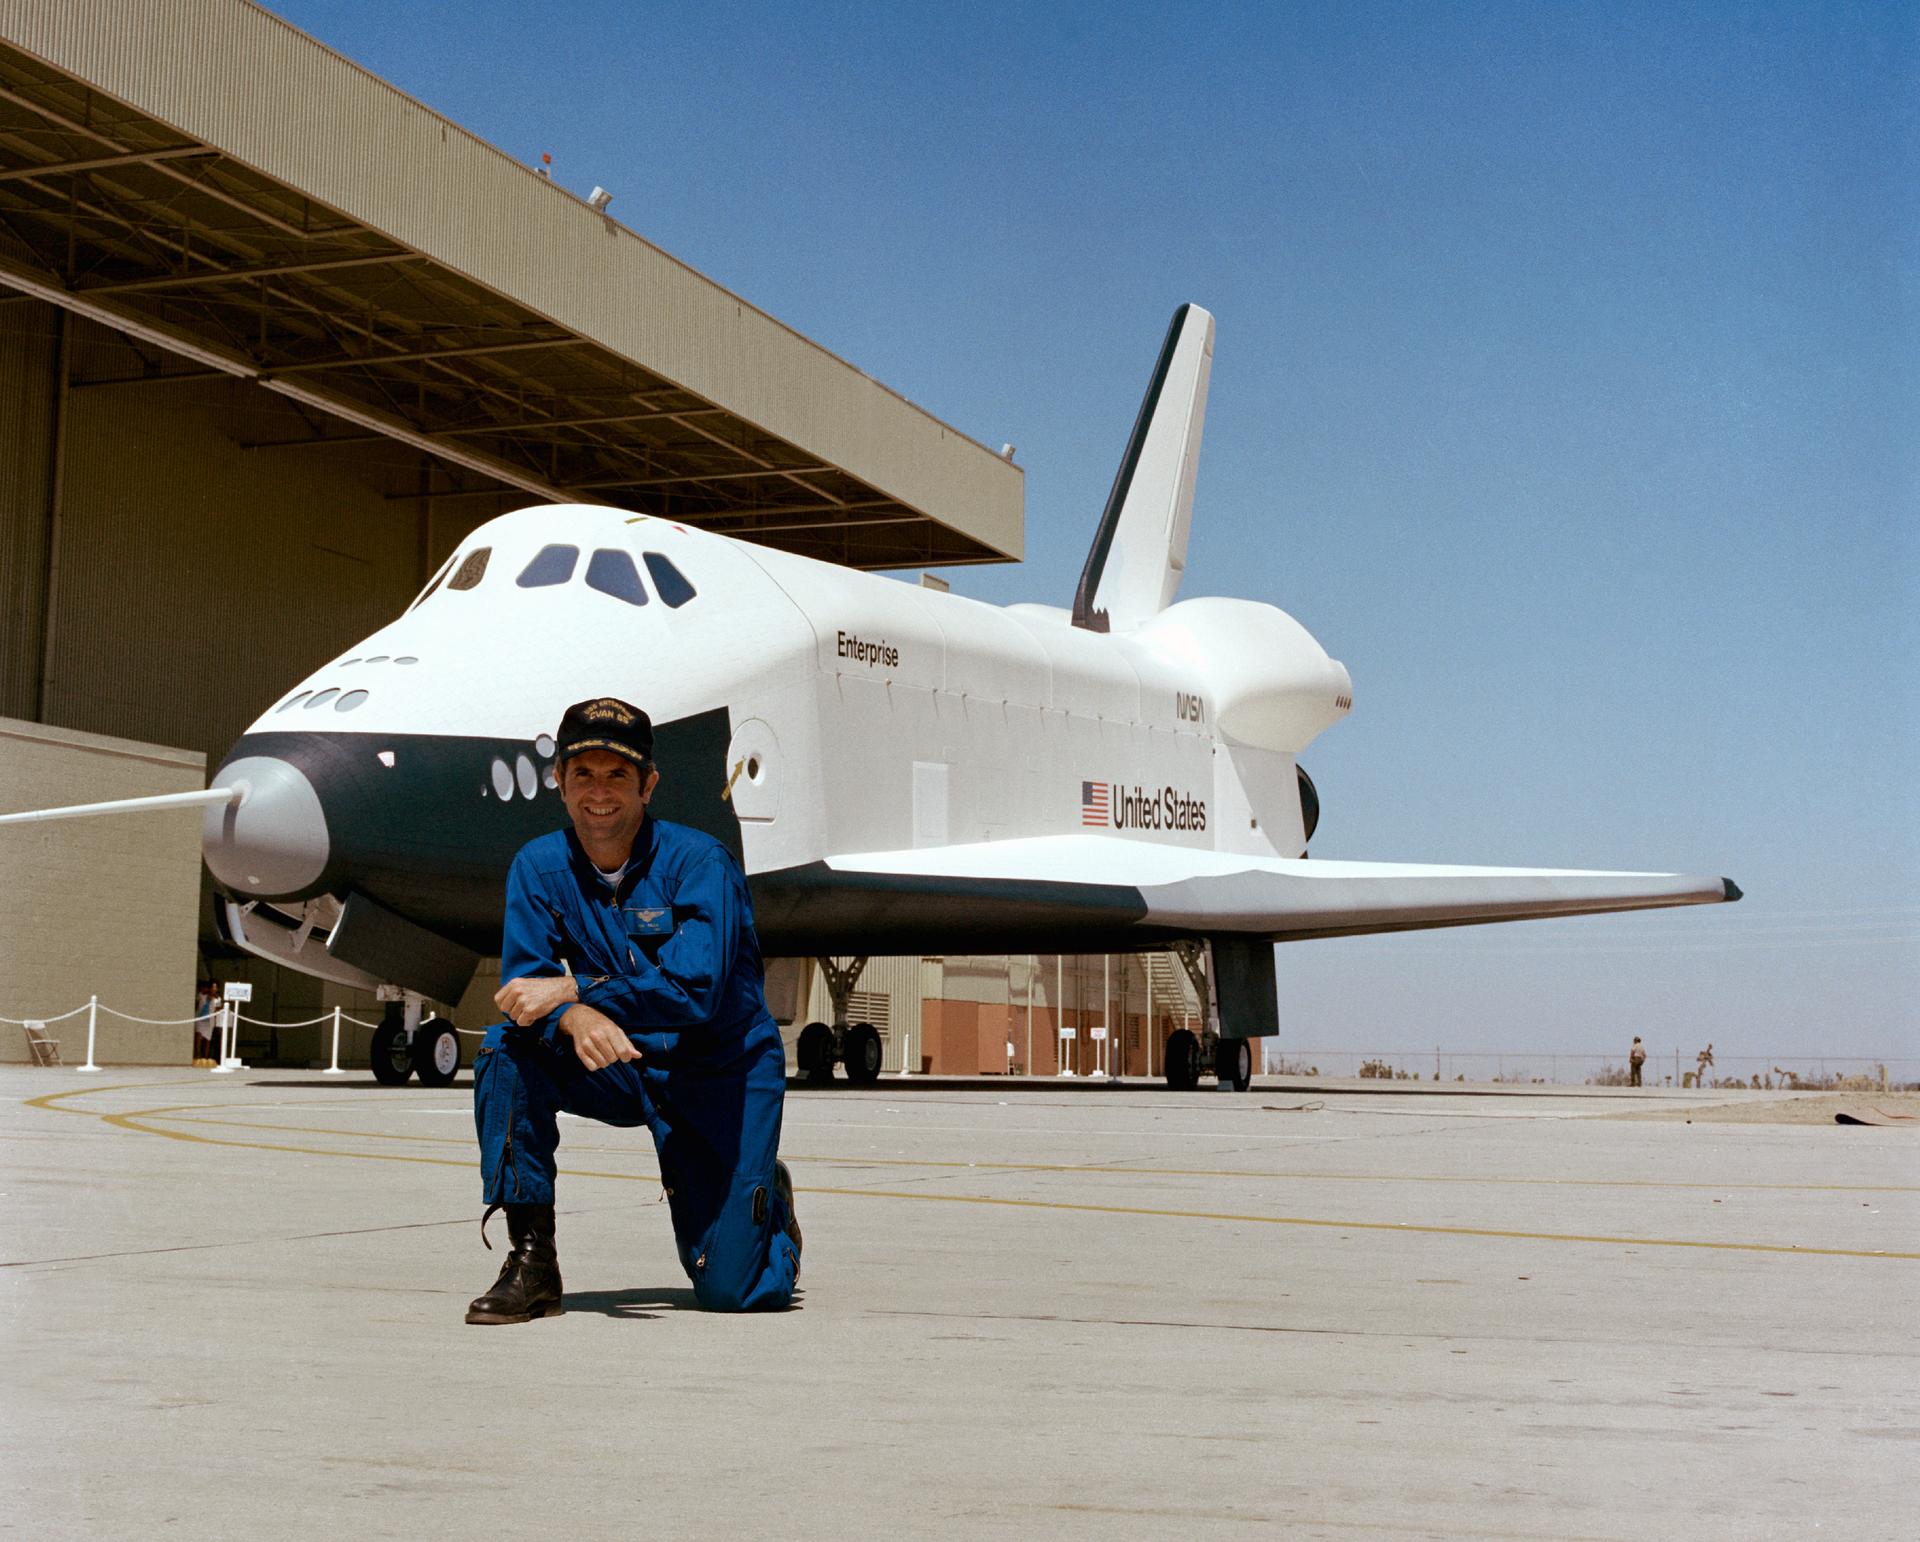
(640, 1302)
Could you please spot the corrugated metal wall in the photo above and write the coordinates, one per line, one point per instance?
(1054, 990)
(29, 352)
(100, 907)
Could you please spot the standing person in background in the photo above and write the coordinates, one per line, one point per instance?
(203, 1023)
(1706, 1065)
(1636, 1058)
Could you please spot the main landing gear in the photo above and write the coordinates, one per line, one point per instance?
(1230, 1060)
(1227, 979)
(409, 1044)
(857, 1046)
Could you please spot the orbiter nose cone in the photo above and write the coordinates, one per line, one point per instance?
(274, 842)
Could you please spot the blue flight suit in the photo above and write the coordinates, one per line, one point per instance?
(670, 955)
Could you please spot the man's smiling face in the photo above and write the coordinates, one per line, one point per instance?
(606, 797)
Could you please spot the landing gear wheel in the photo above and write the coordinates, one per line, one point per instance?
(1183, 1060)
(392, 1058)
(863, 1054)
(436, 1053)
(815, 1052)
(1233, 1063)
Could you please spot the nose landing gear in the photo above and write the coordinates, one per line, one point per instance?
(409, 1044)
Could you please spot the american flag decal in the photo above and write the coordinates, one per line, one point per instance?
(1093, 803)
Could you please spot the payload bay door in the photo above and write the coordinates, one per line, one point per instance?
(930, 784)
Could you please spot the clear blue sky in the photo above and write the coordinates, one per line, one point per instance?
(1565, 388)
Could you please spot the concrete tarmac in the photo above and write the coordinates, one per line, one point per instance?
(232, 1307)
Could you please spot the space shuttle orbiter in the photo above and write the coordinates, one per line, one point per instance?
(899, 769)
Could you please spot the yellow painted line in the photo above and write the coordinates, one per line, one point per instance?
(131, 1121)
(182, 1114)
(57, 1100)
(1394, 1226)
(302, 1129)
(1311, 1177)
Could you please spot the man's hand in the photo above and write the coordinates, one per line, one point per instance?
(597, 1039)
(531, 998)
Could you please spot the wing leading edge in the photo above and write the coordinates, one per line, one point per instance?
(1204, 892)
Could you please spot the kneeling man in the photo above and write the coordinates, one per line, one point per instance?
(632, 980)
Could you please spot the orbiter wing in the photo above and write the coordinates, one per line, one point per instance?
(1178, 891)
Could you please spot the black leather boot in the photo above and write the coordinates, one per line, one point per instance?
(529, 1283)
(783, 1184)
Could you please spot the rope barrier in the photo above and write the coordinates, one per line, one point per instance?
(155, 1022)
(305, 1022)
(181, 1022)
(224, 1022)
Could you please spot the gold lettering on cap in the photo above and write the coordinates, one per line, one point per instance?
(607, 710)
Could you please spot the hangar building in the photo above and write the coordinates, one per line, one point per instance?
(273, 338)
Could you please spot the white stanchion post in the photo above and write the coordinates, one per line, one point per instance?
(93, 1018)
(233, 994)
(228, 1032)
(334, 1069)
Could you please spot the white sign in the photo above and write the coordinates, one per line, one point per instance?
(1099, 1034)
(237, 990)
(1067, 1033)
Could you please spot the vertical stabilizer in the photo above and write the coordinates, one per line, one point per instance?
(1140, 552)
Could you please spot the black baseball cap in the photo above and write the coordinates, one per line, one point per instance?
(605, 723)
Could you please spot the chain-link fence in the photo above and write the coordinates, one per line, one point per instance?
(1847, 1073)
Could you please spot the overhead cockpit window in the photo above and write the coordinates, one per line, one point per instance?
(472, 570)
(612, 572)
(437, 577)
(321, 698)
(294, 701)
(669, 580)
(551, 565)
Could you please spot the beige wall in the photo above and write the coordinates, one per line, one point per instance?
(102, 906)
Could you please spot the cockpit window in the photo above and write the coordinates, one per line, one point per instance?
(472, 570)
(669, 580)
(612, 572)
(437, 579)
(551, 565)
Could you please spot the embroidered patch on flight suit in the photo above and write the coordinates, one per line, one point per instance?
(649, 922)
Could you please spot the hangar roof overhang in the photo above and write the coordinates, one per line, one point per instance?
(238, 200)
